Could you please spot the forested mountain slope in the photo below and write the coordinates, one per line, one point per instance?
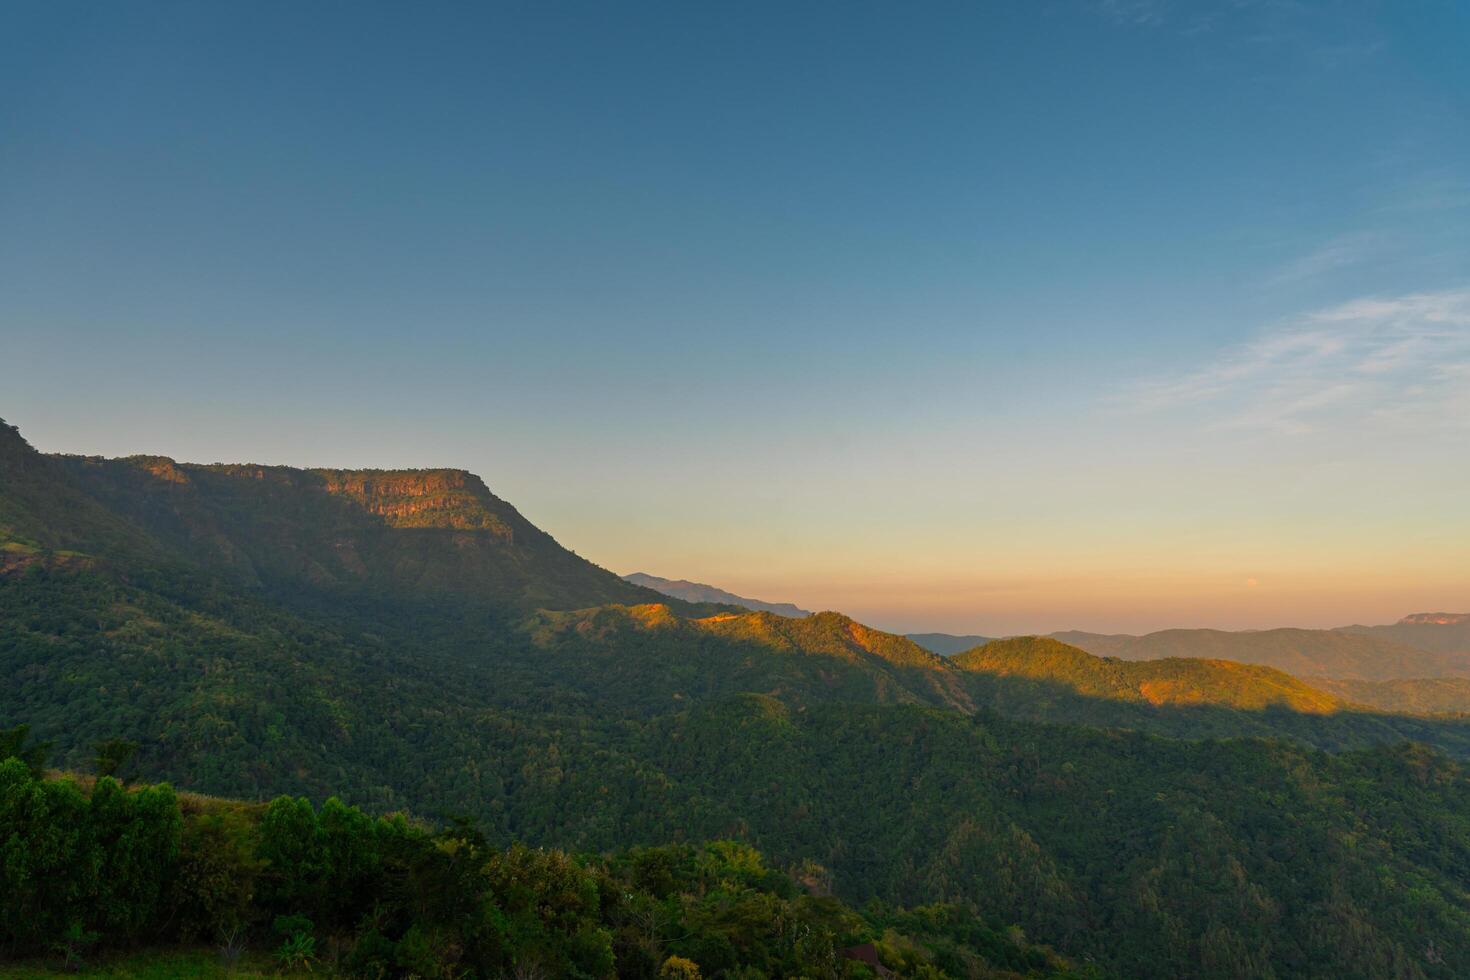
(337, 892)
(1150, 857)
(1423, 633)
(1304, 653)
(424, 532)
(306, 669)
(1161, 858)
(1042, 679)
(649, 657)
(1170, 681)
(1422, 696)
(45, 520)
(613, 725)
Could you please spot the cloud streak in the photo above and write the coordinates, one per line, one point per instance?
(1339, 253)
(1373, 363)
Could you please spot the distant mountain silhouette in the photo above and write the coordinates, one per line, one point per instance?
(1436, 632)
(1436, 619)
(699, 592)
(948, 644)
(1361, 654)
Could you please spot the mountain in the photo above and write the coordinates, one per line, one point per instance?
(947, 644)
(1302, 652)
(46, 521)
(124, 866)
(1435, 619)
(428, 533)
(264, 631)
(1435, 632)
(1422, 696)
(1140, 857)
(646, 659)
(696, 592)
(1174, 681)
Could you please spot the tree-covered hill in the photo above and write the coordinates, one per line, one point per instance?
(1149, 857)
(1422, 696)
(1437, 637)
(649, 656)
(1172, 681)
(424, 532)
(92, 868)
(1302, 652)
(46, 520)
(164, 616)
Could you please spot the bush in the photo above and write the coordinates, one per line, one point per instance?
(678, 968)
(215, 885)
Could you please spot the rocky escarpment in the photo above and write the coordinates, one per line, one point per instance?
(438, 532)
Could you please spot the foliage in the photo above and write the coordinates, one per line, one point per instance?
(73, 946)
(16, 743)
(1420, 696)
(113, 754)
(79, 863)
(279, 636)
(404, 901)
(298, 947)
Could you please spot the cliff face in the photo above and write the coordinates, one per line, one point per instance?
(406, 532)
(422, 498)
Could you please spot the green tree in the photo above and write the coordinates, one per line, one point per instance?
(13, 745)
(113, 754)
(678, 968)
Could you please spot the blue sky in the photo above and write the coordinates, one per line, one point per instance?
(988, 317)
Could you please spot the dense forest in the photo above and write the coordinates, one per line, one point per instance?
(91, 867)
(261, 631)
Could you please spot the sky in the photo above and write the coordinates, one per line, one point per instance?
(991, 318)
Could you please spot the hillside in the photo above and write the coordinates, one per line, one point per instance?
(1427, 633)
(230, 646)
(947, 644)
(697, 592)
(1302, 652)
(429, 533)
(1173, 681)
(337, 891)
(647, 657)
(909, 777)
(1150, 858)
(46, 521)
(1423, 696)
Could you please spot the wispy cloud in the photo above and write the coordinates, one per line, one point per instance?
(1396, 361)
(1143, 12)
(1338, 253)
(1328, 39)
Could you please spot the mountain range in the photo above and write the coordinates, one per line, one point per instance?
(697, 592)
(406, 639)
(948, 644)
(1419, 647)
(1367, 653)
